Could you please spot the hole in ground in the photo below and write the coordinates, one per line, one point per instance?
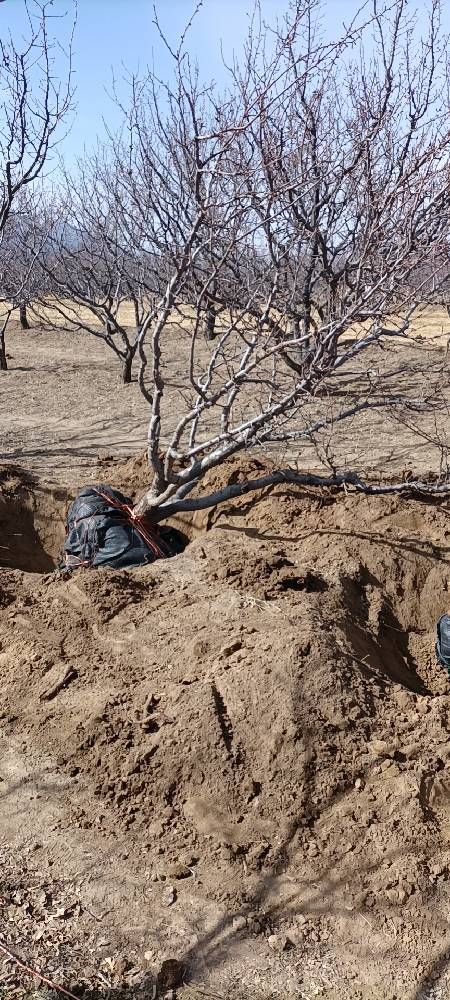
(31, 523)
(379, 639)
(310, 583)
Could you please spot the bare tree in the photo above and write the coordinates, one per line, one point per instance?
(35, 103)
(20, 274)
(292, 218)
(302, 202)
(95, 282)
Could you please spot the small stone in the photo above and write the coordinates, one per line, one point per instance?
(121, 966)
(279, 942)
(411, 750)
(239, 923)
(179, 870)
(380, 748)
(404, 700)
(169, 895)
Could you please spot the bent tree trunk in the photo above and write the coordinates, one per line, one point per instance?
(23, 316)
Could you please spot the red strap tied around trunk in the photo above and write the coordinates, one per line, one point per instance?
(136, 521)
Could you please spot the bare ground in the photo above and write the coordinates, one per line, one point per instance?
(247, 766)
(62, 404)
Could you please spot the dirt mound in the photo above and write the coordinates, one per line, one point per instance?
(262, 714)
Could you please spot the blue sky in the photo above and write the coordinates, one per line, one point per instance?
(112, 35)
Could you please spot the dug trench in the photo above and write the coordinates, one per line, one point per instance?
(253, 736)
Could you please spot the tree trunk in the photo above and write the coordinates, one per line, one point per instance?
(23, 316)
(294, 332)
(3, 361)
(126, 368)
(210, 323)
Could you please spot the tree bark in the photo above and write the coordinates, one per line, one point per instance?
(126, 368)
(23, 318)
(3, 361)
(210, 323)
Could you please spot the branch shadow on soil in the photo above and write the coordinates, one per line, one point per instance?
(310, 898)
(215, 945)
(405, 544)
(430, 979)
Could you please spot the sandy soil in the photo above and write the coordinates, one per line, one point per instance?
(238, 758)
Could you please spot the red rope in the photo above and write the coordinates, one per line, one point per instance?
(137, 521)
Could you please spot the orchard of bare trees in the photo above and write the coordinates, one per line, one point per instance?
(287, 226)
(35, 106)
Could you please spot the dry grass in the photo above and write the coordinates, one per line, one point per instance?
(430, 322)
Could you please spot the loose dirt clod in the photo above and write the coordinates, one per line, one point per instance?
(68, 674)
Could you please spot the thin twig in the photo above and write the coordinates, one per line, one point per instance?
(34, 972)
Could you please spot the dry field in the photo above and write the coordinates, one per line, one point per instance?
(62, 404)
(247, 768)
